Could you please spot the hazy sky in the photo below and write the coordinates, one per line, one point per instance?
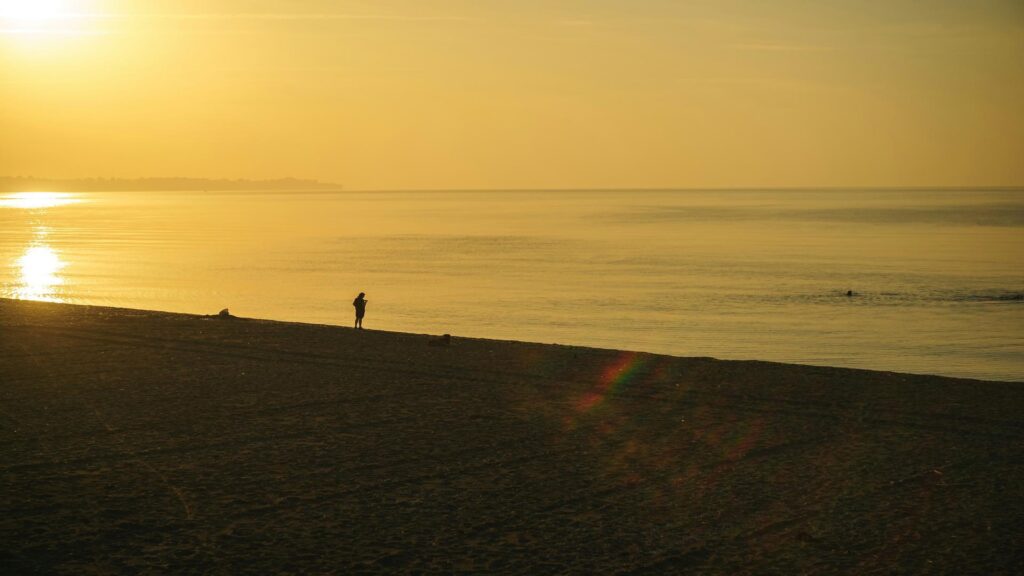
(517, 93)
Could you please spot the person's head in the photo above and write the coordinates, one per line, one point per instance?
(361, 294)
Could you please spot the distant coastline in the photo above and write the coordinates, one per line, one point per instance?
(34, 184)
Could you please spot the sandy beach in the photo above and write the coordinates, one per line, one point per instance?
(151, 442)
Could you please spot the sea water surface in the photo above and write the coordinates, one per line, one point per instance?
(937, 275)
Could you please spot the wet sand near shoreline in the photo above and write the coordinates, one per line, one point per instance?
(151, 442)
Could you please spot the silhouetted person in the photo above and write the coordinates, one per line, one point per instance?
(360, 305)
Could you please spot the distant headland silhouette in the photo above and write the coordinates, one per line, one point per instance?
(32, 183)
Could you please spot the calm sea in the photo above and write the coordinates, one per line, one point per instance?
(937, 276)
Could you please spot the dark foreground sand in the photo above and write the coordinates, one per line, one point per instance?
(161, 443)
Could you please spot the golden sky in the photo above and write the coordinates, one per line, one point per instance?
(517, 93)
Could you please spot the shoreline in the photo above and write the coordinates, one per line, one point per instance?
(116, 310)
(154, 441)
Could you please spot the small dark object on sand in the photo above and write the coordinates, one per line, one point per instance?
(849, 293)
(445, 340)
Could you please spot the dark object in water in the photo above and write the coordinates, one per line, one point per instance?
(445, 340)
(849, 293)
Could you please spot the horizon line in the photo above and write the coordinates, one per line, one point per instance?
(1012, 187)
(744, 188)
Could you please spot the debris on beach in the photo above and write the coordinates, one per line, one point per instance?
(445, 340)
(222, 315)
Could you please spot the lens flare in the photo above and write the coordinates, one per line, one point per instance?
(616, 376)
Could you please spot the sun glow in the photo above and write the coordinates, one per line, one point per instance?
(39, 277)
(37, 200)
(30, 10)
(38, 17)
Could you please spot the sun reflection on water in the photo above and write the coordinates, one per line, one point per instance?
(36, 200)
(39, 279)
